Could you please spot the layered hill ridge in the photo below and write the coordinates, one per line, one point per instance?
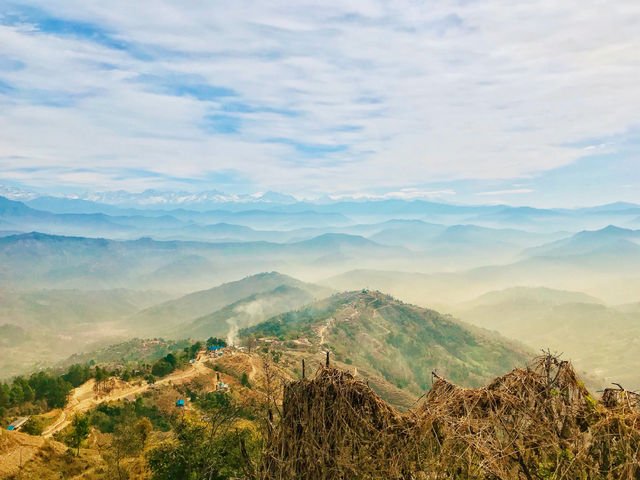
(37, 260)
(590, 241)
(402, 342)
(526, 296)
(599, 338)
(41, 327)
(248, 311)
(206, 312)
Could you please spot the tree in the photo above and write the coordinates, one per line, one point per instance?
(201, 452)
(16, 394)
(215, 341)
(77, 375)
(162, 368)
(245, 380)
(211, 449)
(126, 375)
(128, 440)
(79, 432)
(143, 429)
(195, 348)
(4, 395)
(29, 394)
(251, 342)
(101, 375)
(22, 385)
(53, 389)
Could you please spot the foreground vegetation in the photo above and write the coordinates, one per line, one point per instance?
(537, 422)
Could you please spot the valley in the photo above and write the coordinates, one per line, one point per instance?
(114, 306)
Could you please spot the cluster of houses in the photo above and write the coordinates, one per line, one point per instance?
(215, 350)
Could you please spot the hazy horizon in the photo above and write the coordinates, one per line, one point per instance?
(167, 197)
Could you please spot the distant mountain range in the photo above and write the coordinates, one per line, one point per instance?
(499, 258)
(588, 242)
(363, 210)
(48, 261)
(396, 243)
(604, 262)
(148, 197)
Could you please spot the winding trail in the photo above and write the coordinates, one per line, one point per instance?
(323, 330)
(84, 398)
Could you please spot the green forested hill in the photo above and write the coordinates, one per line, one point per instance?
(403, 342)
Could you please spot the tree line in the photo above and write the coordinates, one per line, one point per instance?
(45, 390)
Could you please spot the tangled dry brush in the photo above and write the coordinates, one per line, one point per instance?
(538, 422)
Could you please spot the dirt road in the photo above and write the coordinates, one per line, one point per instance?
(85, 398)
(324, 329)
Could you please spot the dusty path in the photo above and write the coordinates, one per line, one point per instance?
(323, 330)
(84, 397)
(254, 369)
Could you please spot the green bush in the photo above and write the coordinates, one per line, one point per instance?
(34, 426)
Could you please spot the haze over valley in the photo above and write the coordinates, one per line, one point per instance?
(77, 274)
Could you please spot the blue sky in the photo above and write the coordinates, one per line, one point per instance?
(463, 101)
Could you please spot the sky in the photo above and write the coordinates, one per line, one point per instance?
(531, 102)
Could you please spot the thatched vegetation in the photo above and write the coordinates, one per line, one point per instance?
(538, 422)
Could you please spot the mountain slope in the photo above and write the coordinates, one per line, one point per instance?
(61, 309)
(403, 342)
(597, 338)
(246, 312)
(41, 327)
(170, 314)
(28, 219)
(586, 242)
(529, 296)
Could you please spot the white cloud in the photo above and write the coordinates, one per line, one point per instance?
(514, 191)
(415, 92)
